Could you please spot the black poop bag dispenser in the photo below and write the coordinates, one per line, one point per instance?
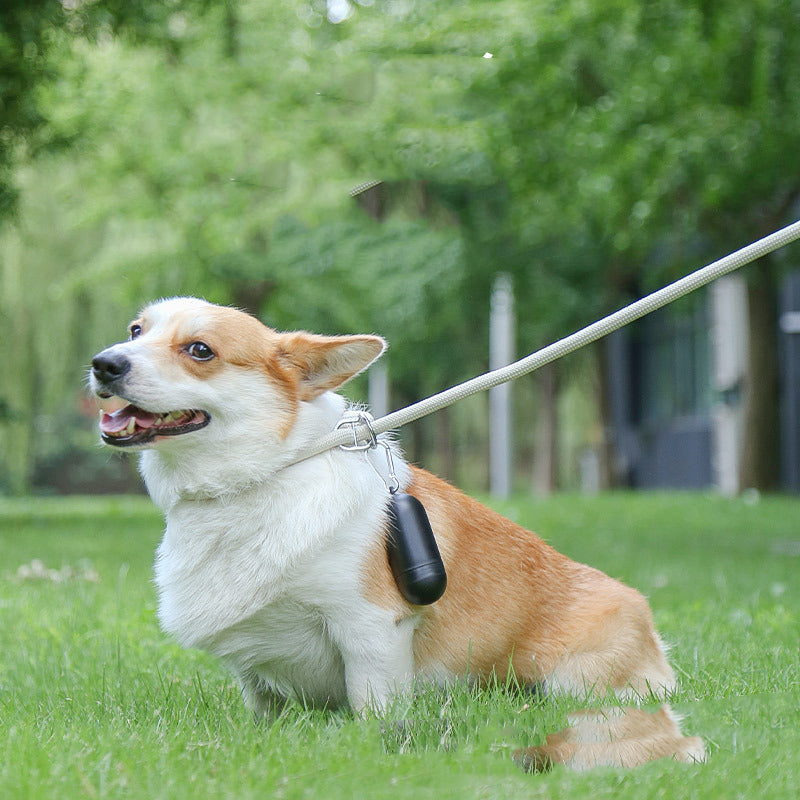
(412, 552)
(410, 545)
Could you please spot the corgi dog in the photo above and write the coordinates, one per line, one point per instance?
(279, 566)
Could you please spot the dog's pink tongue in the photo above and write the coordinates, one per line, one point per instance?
(118, 421)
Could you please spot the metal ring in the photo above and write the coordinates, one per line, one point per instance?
(353, 419)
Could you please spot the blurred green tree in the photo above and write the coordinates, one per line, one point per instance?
(44, 45)
(593, 150)
(635, 139)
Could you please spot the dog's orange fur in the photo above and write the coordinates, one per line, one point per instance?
(513, 601)
(237, 339)
(293, 361)
(514, 605)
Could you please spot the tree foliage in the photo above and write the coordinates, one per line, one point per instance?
(591, 149)
(654, 123)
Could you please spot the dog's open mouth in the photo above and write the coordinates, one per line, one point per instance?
(134, 426)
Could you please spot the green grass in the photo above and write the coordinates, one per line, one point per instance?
(96, 702)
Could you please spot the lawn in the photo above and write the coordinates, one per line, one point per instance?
(96, 702)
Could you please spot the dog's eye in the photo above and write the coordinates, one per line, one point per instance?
(135, 330)
(200, 351)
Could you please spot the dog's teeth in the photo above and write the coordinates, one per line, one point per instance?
(131, 426)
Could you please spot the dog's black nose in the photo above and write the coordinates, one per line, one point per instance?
(109, 367)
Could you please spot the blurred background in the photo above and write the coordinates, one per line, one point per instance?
(391, 166)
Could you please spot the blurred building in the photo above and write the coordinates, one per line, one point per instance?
(677, 383)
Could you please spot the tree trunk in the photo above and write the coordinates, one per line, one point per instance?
(545, 455)
(18, 395)
(760, 461)
(444, 444)
(230, 30)
(250, 296)
(605, 445)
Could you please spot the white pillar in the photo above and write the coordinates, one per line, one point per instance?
(729, 339)
(378, 389)
(501, 353)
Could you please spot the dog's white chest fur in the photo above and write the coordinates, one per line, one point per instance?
(270, 579)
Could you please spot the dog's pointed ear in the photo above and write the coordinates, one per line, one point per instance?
(324, 363)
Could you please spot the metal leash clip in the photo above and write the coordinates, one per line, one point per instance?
(393, 484)
(354, 418)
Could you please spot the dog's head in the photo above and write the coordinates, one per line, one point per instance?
(194, 370)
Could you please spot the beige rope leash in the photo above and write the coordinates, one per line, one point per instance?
(353, 431)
